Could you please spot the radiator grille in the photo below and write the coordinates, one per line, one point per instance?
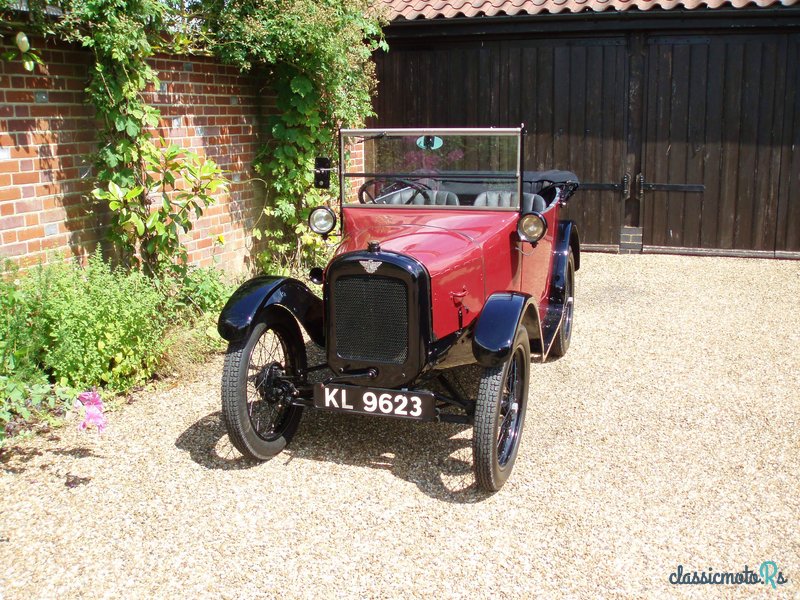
(371, 318)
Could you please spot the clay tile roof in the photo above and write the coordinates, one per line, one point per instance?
(414, 9)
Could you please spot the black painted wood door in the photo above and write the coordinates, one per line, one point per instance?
(714, 119)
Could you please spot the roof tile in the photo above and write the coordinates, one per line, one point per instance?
(413, 9)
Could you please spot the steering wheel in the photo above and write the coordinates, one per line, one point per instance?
(373, 189)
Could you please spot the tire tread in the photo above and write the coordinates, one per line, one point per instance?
(230, 416)
(484, 428)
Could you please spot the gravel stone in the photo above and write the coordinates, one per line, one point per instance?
(669, 434)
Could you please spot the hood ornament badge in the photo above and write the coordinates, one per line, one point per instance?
(370, 266)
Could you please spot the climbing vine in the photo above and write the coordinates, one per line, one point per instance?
(315, 54)
(137, 175)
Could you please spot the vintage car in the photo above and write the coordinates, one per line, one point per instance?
(450, 254)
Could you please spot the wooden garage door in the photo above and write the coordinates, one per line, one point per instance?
(788, 225)
(569, 93)
(714, 151)
(572, 99)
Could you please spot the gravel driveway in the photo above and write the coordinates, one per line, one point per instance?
(669, 434)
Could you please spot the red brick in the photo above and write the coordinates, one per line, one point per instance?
(31, 260)
(9, 237)
(30, 233)
(10, 193)
(9, 166)
(23, 178)
(9, 250)
(12, 222)
(23, 125)
(23, 152)
(56, 241)
(23, 206)
(53, 215)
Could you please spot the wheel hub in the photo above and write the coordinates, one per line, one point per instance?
(269, 384)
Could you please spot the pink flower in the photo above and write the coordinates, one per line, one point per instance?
(93, 407)
(90, 399)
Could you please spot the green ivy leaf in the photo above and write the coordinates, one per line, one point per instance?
(115, 190)
(134, 192)
(137, 222)
(131, 128)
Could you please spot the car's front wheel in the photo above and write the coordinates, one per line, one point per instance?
(499, 416)
(257, 387)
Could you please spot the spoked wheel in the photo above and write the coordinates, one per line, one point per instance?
(256, 391)
(500, 415)
(564, 335)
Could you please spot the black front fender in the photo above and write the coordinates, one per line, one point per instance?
(497, 326)
(259, 294)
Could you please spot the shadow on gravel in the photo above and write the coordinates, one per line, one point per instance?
(15, 459)
(436, 457)
(207, 444)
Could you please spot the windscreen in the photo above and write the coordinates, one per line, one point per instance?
(473, 169)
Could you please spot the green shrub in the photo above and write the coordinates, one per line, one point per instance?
(203, 289)
(24, 385)
(105, 326)
(22, 331)
(66, 328)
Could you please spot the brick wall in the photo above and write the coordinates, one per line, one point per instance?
(48, 132)
(355, 164)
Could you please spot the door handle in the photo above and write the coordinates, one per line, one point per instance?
(626, 187)
(640, 186)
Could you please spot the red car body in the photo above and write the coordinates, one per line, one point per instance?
(469, 255)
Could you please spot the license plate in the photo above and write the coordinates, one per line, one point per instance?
(375, 401)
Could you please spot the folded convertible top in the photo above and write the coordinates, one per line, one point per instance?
(552, 176)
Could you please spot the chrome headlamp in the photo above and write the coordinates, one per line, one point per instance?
(322, 220)
(531, 227)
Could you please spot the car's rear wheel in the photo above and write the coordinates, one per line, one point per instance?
(256, 387)
(500, 415)
(564, 335)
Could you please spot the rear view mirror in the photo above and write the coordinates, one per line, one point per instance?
(429, 142)
(322, 172)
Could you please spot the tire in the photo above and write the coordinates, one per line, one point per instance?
(255, 407)
(562, 339)
(500, 415)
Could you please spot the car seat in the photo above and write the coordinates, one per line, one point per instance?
(420, 197)
(504, 199)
